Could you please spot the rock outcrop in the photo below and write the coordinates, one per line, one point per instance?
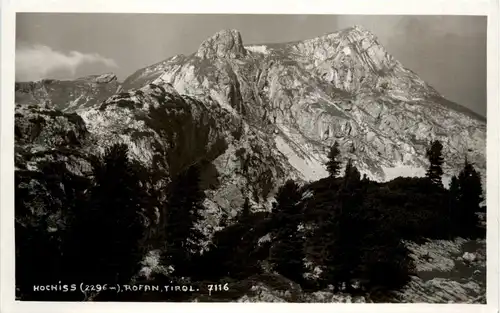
(166, 132)
(343, 87)
(252, 116)
(224, 44)
(66, 95)
(264, 113)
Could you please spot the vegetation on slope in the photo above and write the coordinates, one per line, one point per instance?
(347, 229)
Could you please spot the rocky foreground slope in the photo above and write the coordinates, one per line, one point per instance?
(448, 272)
(253, 116)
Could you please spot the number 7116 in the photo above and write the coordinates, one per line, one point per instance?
(217, 287)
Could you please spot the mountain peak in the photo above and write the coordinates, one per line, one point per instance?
(224, 44)
(358, 33)
(101, 78)
(359, 29)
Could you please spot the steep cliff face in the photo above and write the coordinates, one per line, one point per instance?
(259, 114)
(49, 150)
(169, 132)
(166, 132)
(224, 44)
(251, 116)
(342, 86)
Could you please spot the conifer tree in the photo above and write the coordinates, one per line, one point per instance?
(470, 195)
(246, 210)
(183, 212)
(106, 234)
(287, 197)
(287, 252)
(345, 249)
(435, 157)
(454, 189)
(323, 208)
(365, 178)
(454, 200)
(333, 163)
(333, 243)
(352, 176)
(470, 186)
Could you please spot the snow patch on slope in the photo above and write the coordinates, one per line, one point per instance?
(409, 171)
(258, 49)
(310, 169)
(402, 171)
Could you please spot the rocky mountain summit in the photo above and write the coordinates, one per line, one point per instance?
(225, 44)
(295, 99)
(252, 116)
(278, 106)
(342, 86)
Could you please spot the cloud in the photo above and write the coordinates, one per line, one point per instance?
(34, 62)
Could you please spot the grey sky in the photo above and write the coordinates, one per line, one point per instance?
(449, 52)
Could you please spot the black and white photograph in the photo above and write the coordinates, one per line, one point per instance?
(294, 158)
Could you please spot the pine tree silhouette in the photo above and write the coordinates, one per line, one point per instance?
(345, 253)
(286, 199)
(106, 233)
(365, 178)
(454, 202)
(352, 175)
(321, 239)
(333, 163)
(435, 157)
(182, 214)
(246, 211)
(470, 196)
(454, 189)
(287, 252)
